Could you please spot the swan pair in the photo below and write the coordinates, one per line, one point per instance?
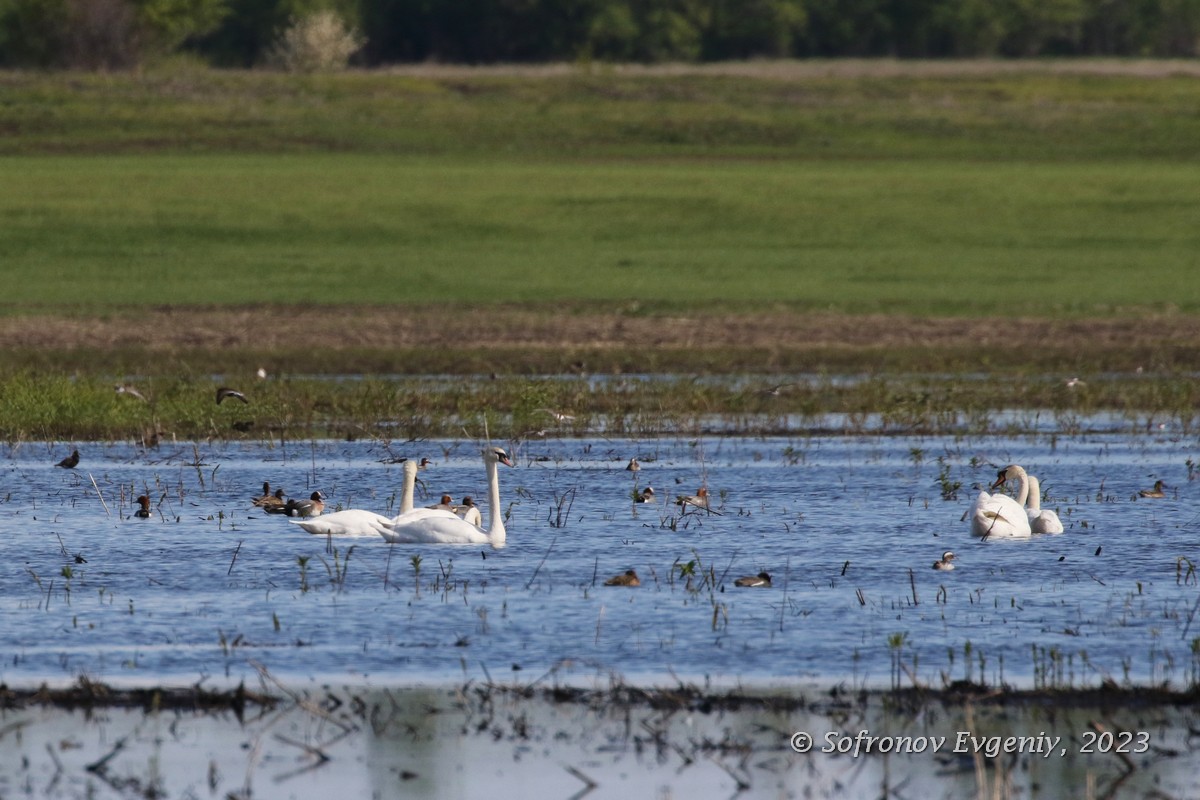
(421, 525)
(1000, 516)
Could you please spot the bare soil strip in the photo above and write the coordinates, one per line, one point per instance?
(333, 328)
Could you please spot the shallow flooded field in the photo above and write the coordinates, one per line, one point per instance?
(211, 590)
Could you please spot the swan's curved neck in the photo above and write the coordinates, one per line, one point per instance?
(1023, 480)
(410, 483)
(1035, 494)
(496, 532)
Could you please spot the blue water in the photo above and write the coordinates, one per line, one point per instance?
(213, 590)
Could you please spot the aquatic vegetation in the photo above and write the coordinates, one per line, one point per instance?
(41, 406)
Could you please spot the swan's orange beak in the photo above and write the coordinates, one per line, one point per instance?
(1000, 481)
(504, 459)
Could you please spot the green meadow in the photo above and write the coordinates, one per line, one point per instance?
(1033, 193)
(987, 239)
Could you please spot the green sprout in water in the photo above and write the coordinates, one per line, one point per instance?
(303, 562)
(416, 567)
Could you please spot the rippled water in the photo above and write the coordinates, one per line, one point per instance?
(848, 527)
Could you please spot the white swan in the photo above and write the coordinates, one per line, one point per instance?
(356, 522)
(1040, 521)
(430, 526)
(998, 515)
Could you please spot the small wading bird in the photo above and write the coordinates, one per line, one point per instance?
(225, 391)
(124, 388)
(761, 580)
(1157, 491)
(775, 391)
(70, 462)
(944, 562)
(144, 511)
(626, 578)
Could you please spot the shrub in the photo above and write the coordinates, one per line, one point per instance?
(316, 42)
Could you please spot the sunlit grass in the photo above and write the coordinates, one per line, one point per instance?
(891, 236)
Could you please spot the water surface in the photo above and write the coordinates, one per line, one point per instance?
(212, 590)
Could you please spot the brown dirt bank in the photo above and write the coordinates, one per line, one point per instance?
(767, 342)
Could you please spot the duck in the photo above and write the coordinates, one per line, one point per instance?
(627, 578)
(273, 504)
(224, 392)
(310, 507)
(445, 504)
(70, 462)
(469, 512)
(647, 495)
(434, 526)
(1040, 521)
(1156, 492)
(360, 522)
(264, 497)
(944, 563)
(699, 499)
(633, 466)
(144, 511)
(998, 515)
(761, 580)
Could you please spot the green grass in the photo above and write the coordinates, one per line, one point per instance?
(37, 405)
(1034, 193)
(924, 238)
(809, 112)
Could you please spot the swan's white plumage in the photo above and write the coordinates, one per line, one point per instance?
(1041, 521)
(356, 522)
(351, 522)
(434, 526)
(998, 515)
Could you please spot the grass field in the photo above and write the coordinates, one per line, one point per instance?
(922, 238)
(1039, 193)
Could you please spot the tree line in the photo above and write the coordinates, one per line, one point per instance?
(113, 34)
